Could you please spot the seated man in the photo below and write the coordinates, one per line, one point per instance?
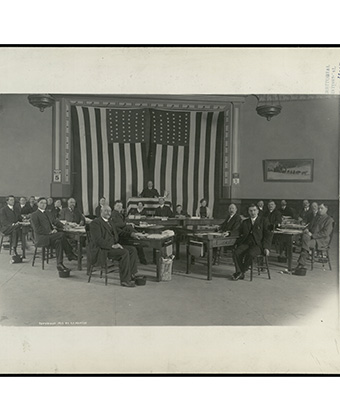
(149, 191)
(261, 207)
(10, 219)
(46, 233)
(104, 236)
(50, 204)
(255, 239)
(304, 211)
(71, 214)
(57, 209)
(273, 215)
(230, 227)
(102, 202)
(125, 231)
(317, 235)
(203, 211)
(232, 223)
(163, 210)
(30, 207)
(22, 204)
(180, 213)
(314, 211)
(286, 210)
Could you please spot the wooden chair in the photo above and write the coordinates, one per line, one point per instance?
(102, 263)
(3, 236)
(322, 254)
(261, 264)
(45, 252)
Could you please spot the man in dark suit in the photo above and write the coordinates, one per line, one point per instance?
(255, 239)
(261, 207)
(56, 209)
(104, 237)
(232, 223)
(10, 219)
(317, 235)
(163, 210)
(46, 233)
(273, 215)
(30, 207)
(313, 212)
(71, 213)
(286, 210)
(125, 231)
(230, 227)
(304, 211)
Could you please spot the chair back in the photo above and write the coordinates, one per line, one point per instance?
(331, 235)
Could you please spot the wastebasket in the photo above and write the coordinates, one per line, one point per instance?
(166, 268)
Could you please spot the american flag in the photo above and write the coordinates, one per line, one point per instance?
(116, 151)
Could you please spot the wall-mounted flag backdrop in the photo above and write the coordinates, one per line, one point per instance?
(116, 151)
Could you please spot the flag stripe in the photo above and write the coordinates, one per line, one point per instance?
(200, 169)
(100, 153)
(185, 193)
(163, 170)
(207, 160)
(128, 172)
(212, 164)
(106, 156)
(140, 169)
(94, 158)
(133, 170)
(158, 159)
(196, 149)
(122, 173)
(174, 174)
(168, 169)
(191, 173)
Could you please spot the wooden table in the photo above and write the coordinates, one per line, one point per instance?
(79, 236)
(211, 241)
(286, 236)
(158, 244)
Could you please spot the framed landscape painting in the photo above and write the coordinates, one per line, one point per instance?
(289, 170)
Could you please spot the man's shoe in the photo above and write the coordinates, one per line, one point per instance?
(61, 267)
(72, 257)
(238, 276)
(130, 284)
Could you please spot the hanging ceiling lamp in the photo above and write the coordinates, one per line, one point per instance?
(268, 106)
(41, 101)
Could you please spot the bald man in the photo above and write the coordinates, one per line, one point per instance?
(71, 213)
(230, 227)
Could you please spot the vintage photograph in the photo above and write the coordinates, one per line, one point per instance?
(182, 210)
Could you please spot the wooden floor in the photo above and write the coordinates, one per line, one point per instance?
(32, 297)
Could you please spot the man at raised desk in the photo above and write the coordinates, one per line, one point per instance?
(317, 235)
(10, 219)
(255, 239)
(163, 210)
(149, 191)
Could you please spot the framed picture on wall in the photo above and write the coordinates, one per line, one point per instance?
(288, 170)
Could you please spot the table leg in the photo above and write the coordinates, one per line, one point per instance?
(23, 243)
(79, 241)
(290, 252)
(177, 245)
(188, 259)
(210, 255)
(158, 264)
